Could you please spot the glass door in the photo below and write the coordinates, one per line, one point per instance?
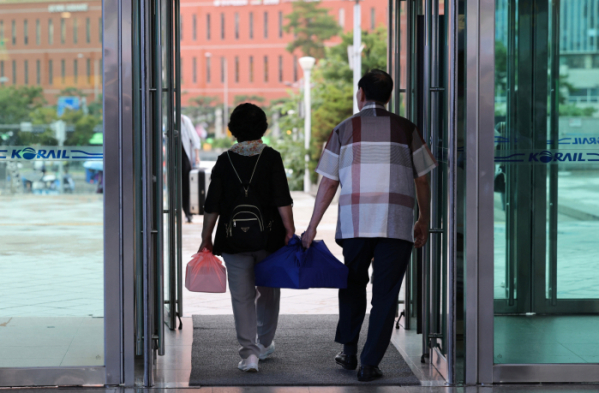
(419, 59)
(157, 133)
(546, 300)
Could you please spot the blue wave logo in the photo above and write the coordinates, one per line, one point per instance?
(28, 153)
(545, 156)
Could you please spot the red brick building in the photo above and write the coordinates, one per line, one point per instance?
(246, 39)
(52, 44)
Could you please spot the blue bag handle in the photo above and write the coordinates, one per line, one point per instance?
(300, 253)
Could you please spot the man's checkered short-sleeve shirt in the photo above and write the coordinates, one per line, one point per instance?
(376, 155)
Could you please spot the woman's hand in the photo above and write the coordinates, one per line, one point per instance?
(308, 237)
(289, 235)
(207, 244)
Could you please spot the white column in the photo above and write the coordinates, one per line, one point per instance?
(357, 49)
(307, 63)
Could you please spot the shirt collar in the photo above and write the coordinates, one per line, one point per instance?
(373, 105)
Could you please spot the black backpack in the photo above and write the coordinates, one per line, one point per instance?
(247, 227)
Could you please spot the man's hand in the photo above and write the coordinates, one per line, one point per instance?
(207, 244)
(308, 237)
(420, 233)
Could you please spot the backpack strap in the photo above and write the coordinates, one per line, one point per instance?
(237, 174)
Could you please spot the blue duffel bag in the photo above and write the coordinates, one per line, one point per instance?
(294, 267)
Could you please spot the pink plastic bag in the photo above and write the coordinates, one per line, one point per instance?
(206, 273)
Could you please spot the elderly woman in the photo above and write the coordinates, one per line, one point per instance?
(249, 181)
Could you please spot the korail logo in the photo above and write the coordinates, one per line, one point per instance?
(52, 153)
(546, 156)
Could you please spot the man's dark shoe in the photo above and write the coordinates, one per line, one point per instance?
(348, 362)
(369, 373)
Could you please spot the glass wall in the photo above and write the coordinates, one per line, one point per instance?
(546, 187)
(51, 184)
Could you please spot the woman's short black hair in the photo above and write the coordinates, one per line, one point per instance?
(377, 85)
(247, 122)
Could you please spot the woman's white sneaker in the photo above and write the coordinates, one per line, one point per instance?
(249, 365)
(265, 352)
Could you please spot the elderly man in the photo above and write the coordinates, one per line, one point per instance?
(378, 158)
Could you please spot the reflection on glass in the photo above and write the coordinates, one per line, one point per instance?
(51, 189)
(547, 160)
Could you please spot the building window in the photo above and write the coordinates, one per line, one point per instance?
(50, 31)
(75, 71)
(14, 72)
(222, 26)
(38, 32)
(280, 24)
(63, 71)
(372, 18)
(194, 74)
(50, 73)
(208, 26)
(251, 25)
(38, 72)
(265, 68)
(1, 32)
(88, 30)
(280, 68)
(2, 72)
(63, 31)
(265, 24)
(236, 25)
(295, 68)
(26, 71)
(208, 69)
(194, 28)
(222, 70)
(25, 32)
(100, 30)
(75, 29)
(14, 32)
(342, 17)
(88, 71)
(181, 28)
(236, 69)
(251, 68)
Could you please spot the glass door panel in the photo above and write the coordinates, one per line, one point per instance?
(51, 190)
(546, 297)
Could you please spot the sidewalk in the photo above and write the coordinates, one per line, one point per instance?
(311, 301)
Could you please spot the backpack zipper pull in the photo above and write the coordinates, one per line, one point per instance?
(235, 223)
(246, 192)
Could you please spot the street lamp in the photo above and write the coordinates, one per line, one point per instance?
(357, 49)
(307, 63)
(225, 92)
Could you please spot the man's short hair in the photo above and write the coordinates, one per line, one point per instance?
(377, 85)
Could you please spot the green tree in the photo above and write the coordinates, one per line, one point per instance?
(84, 127)
(311, 26)
(17, 103)
(333, 80)
(254, 99)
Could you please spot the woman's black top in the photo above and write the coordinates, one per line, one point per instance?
(269, 185)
